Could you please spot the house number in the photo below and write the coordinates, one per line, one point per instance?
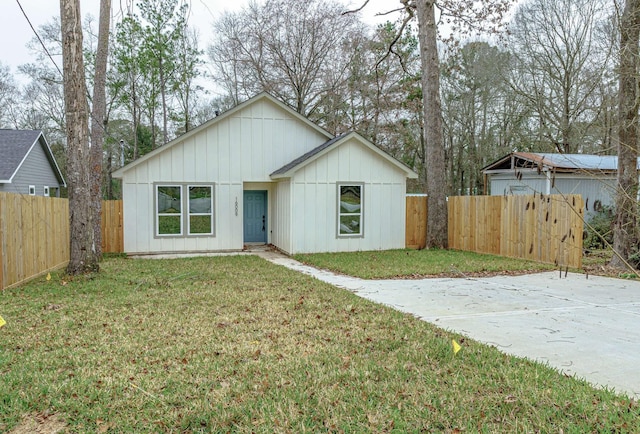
(236, 206)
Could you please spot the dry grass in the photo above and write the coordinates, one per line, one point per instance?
(237, 344)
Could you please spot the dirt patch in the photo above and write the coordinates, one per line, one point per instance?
(40, 423)
(471, 274)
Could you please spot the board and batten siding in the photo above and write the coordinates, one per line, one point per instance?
(282, 215)
(35, 170)
(244, 147)
(314, 202)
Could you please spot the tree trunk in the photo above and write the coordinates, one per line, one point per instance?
(163, 85)
(435, 165)
(82, 246)
(625, 230)
(99, 121)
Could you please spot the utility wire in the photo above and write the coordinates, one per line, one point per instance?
(38, 36)
(107, 135)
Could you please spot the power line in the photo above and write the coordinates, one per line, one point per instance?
(38, 36)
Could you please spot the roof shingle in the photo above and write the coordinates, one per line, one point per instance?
(14, 146)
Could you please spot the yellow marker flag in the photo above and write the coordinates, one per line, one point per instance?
(2, 322)
(456, 346)
(48, 276)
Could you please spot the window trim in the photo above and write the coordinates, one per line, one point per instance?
(45, 191)
(339, 213)
(32, 190)
(185, 213)
(189, 213)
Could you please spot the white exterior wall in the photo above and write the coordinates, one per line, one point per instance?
(282, 220)
(245, 147)
(314, 195)
(592, 188)
(530, 183)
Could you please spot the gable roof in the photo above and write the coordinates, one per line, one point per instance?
(15, 146)
(289, 169)
(557, 162)
(261, 96)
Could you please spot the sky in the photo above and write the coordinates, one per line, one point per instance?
(15, 31)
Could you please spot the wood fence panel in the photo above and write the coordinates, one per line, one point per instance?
(112, 227)
(416, 222)
(540, 228)
(34, 235)
(474, 223)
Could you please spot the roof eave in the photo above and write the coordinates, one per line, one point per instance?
(52, 160)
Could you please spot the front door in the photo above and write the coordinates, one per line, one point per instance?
(255, 216)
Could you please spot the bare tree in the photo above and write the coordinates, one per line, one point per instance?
(480, 113)
(463, 16)
(8, 97)
(99, 121)
(625, 231)
(83, 256)
(437, 220)
(560, 64)
(289, 48)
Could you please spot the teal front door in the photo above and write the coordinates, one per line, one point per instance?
(255, 216)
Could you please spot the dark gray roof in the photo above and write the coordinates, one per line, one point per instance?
(305, 157)
(14, 148)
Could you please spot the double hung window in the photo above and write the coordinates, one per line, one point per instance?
(350, 209)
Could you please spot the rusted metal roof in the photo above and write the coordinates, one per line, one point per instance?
(558, 162)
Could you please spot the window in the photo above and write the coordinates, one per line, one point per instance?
(197, 203)
(169, 207)
(46, 191)
(200, 210)
(350, 210)
(517, 189)
(32, 190)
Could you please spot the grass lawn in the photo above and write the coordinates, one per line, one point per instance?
(237, 344)
(419, 263)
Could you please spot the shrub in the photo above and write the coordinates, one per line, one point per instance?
(600, 229)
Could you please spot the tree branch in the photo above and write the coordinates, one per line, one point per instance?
(355, 11)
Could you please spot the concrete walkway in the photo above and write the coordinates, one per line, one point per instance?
(589, 328)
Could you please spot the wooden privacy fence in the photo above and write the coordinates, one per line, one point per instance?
(540, 228)
(416, 222)
(34, 235)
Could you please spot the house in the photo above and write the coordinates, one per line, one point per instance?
(262, 173)
(27, 165)
(592, 176)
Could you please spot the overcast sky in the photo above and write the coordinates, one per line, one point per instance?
(15, 31)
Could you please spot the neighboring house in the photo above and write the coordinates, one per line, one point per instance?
(27, 165)
(592, 176)
(262, 173)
